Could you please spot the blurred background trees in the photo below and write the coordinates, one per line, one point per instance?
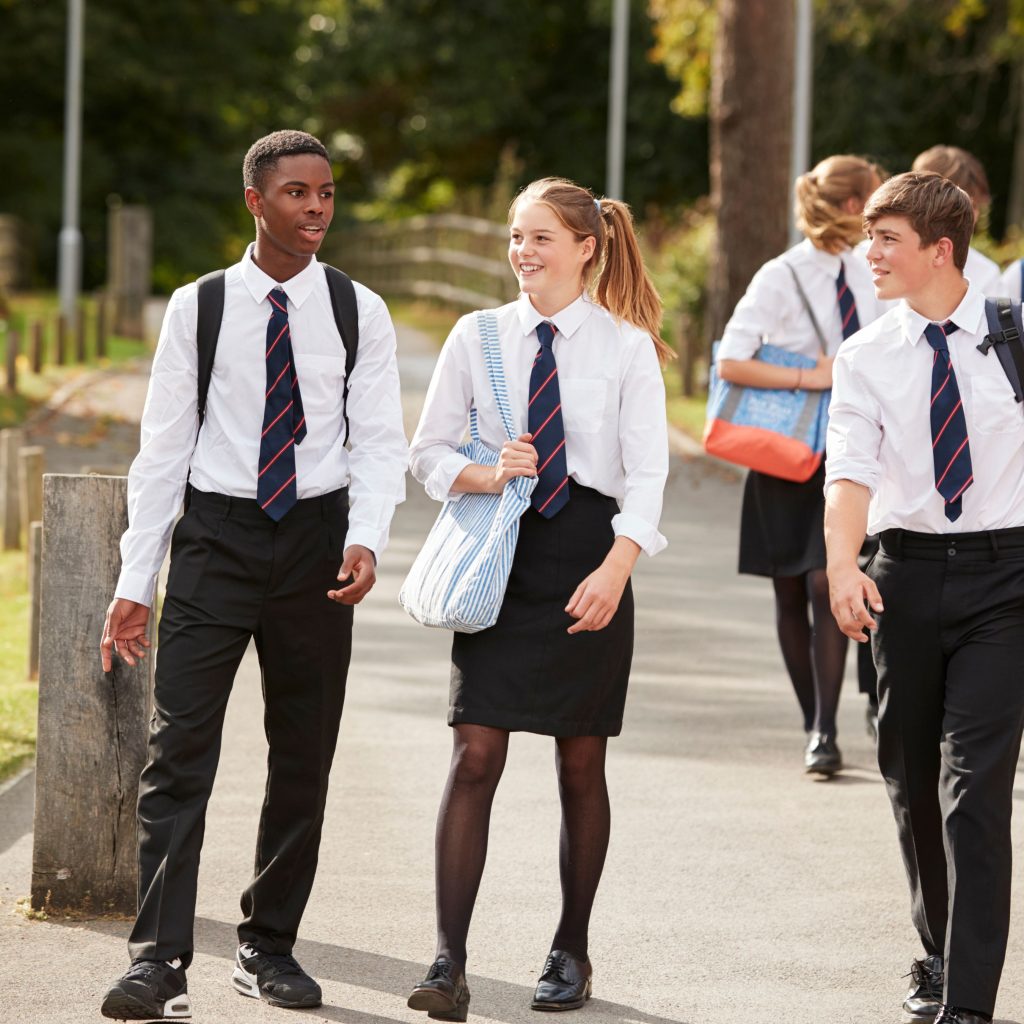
(433, 105)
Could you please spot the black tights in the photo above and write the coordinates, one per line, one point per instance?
(815, 656)
(478, 759)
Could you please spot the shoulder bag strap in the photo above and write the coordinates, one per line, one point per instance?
(210, 300)
(810, 312)
(1004, 325)
(346, 316)
(487, 324)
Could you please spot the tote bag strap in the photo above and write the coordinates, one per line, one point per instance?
(810, 312)
(487, 325)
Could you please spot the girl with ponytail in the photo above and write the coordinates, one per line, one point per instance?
(808, 300)
(581, 353)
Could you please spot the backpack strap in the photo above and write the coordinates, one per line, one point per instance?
(210, 296)
(346, 316)
(1005, 334)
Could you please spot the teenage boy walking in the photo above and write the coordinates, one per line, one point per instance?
(256, 556)
(926, 448)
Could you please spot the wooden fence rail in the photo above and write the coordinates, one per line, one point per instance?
(457, 259)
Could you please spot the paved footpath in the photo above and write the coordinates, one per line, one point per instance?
(736, 888)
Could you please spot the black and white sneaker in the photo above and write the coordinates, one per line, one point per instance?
(149, 990)
(275, 977)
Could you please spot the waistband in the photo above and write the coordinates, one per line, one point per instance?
(323, 506)
(987, 545)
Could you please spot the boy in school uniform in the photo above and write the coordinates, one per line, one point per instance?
(277, 504)
(926, 448)
(965, 169)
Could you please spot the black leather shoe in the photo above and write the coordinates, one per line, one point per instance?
(924, 1000)
(822, 756)
(274, 977)
(954, 1015)
(443, 993)
(564, 984)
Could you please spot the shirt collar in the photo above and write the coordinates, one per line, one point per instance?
(567, 321)
(261, 284)
(968, 316)
(829, 262)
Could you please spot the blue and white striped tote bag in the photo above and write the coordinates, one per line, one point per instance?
(458, 579)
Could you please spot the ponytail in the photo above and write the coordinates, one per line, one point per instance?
(623, 286)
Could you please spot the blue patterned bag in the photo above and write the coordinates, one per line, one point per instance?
(458, 579)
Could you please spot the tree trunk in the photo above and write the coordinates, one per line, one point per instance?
(751, 133)
(1015, 207)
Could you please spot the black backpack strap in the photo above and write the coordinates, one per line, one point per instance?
(346, 316)
(1006, 335)
(210, 296)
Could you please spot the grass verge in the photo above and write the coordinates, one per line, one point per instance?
(18, 696)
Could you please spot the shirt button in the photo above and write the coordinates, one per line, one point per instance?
(951, 551)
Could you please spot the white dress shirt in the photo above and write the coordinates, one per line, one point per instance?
(225, 458)
(1010, 283)
(879, 432)
(772, 312)
(613, 407)
(982, 272)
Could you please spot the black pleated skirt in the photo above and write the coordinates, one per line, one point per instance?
(526, 673)
(782, 525)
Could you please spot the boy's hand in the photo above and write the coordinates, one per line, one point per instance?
(851, 592)
(360, 564)
(124, 632)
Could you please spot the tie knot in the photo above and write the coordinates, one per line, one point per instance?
(936, 335)
(546, 333)
(278, 299)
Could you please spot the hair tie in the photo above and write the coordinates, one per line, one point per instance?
(597, 203)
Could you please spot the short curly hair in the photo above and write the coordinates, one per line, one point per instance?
(264, 154)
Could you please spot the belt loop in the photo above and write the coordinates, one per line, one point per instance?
(995, 545)
(898, 543)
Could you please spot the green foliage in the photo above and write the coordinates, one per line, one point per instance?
(18, 698)
(685, 34)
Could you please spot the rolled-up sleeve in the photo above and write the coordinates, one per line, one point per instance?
(643, 438)
(378, 450)
(434, 460)
(854, 437)
(763, 308)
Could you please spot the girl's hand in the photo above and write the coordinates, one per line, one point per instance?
(818, 378)
(517, 458)
(597, 598)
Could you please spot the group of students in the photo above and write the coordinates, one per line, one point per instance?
(295, 465)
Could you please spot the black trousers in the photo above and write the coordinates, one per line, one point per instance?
(949, 649)
(236, 575)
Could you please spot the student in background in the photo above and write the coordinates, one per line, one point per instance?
(1010, 282)
(781, 529)
(964, 169)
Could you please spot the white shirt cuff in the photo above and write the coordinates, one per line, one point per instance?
(137, 587)
(368, 537)
(439, 484)
(636, 529)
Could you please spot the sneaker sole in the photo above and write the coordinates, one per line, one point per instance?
(245, 984)
(122, 1006)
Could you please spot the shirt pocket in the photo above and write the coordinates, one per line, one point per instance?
(321, 380)
(993, 407)
(583, 404)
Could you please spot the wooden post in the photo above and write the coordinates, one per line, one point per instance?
(10, 507)
(101, 326)
(80, 327)
(35, 554)
(62, 341)
(30, 485)
(35, 351)
(93, 725)
(11, 361)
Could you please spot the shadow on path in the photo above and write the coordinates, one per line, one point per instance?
(17, 807)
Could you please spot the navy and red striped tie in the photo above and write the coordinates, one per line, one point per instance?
(951, 449)
(284, 424)
(847, 304)
(544, 422)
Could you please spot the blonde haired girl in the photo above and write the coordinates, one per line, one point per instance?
(781, 532)
(581, 353)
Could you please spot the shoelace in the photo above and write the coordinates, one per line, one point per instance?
(555, 965)
(923, 975)
(277, 964)
(949, 1015)
(440, 969)
(143, 969)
